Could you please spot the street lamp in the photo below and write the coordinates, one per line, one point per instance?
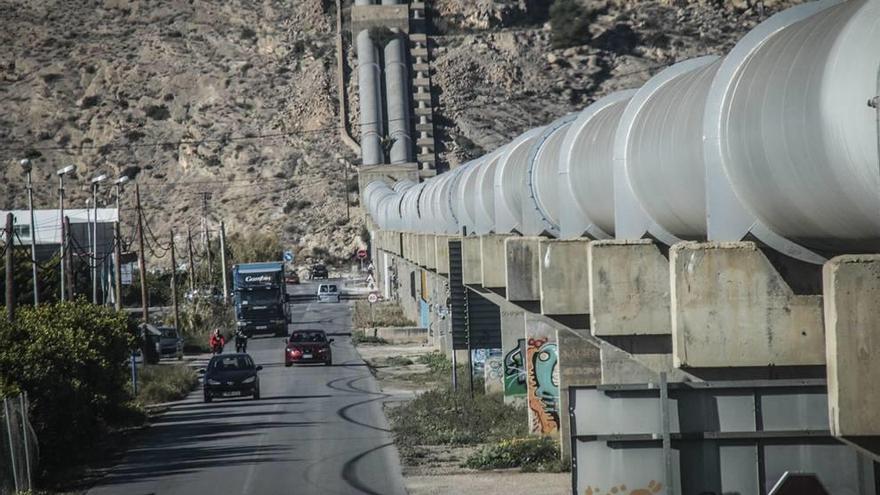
(95, 181)
(26, 167)
(118, 183)
(61, 173)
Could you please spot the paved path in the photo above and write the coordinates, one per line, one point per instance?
(317, 430)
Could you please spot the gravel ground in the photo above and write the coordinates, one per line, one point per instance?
(438, 470)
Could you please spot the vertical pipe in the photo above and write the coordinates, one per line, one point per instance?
(396, 93)
(22, 400)
(30, 190)
(174, 285)
(10, 280)
(369, 75)
(192, 265)
(142, 263)
(11, 444)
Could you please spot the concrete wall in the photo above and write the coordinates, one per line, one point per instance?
(579, 364)
(852, 336)
(731, 308)
(472, 261)
(441, 250)
(401, 335)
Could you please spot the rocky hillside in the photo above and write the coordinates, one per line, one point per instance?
(232, 97)
(500, 73)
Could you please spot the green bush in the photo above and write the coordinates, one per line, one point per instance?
(569, 23)
(444, 417)
(383, 314)
(165, 383)
(530, 454)
(361, 338)
(437, 362)
(71, 358)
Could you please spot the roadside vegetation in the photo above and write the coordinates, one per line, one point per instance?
(384, 314)
(530, 454)
(360, 337)
(166, 383)
(199, 318)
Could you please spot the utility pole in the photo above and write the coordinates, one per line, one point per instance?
(71, 273)
(192, 264)
(347, 202)
(26, 165)
(95, 181)
(142, 262)
(223, 262)
(61, 173)
(117, 265)
(10, 280)
(205, 197)
(174, 284)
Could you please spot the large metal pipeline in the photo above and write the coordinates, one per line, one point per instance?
(586, 168)
(369, 75)
(541, 208)
(397, 98)
(791, 145)
(659, 173)
(774, 140)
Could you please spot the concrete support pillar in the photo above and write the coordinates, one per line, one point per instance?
(564, 281)
(397, 97)
(542, 377)
(430, 252)
(471, 261)
(369, 75)
(629, 289)
(441, 249)
(732, 308)
(513, 350)
(579, 364)
(521, 259)
(492, 254)
(852, 349)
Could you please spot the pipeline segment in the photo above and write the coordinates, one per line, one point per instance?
(369, 75)
(774, 140)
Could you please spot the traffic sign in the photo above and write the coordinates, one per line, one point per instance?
(288, 256)
(373, 298)
(362, 254)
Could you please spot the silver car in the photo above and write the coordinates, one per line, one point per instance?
(170, 343)
(328, 293)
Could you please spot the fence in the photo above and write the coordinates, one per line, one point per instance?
(18, 452)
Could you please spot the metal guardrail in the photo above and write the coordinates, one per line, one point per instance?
(19, 453)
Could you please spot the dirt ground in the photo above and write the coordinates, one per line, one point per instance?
(433, 469)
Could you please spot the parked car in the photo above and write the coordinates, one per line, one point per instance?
(291, 278)
(231, 375)
(319, 271)
(308, 346)
(170, 343)
(328, 293)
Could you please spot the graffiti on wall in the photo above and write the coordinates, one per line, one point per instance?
(543, 385)
(515, 370)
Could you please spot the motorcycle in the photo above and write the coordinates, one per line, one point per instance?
(217, 348)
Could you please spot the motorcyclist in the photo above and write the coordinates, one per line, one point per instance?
(217, 341)
(240, 341)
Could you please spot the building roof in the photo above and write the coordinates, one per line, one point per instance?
(48, 222)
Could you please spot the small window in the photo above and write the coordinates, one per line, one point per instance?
(22, 230)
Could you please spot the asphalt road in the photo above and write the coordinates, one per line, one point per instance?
(317, 429)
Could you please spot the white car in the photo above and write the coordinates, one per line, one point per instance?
(328, 293)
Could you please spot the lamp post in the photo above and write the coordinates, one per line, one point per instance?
(61, 173)
(117, 251)
(95, 181)
(26, 167)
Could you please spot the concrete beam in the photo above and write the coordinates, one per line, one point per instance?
(629, 288)
(579, 364)
(852, 349)
(492, 253)
(521, 259)
(471, 260)
(732, 308)
(422, 249)
(564, 280)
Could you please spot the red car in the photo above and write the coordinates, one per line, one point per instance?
(308, 346)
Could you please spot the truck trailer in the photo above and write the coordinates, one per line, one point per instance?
(260, 298)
